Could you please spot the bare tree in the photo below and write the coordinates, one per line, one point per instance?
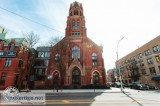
(32, 38)
(54, 40)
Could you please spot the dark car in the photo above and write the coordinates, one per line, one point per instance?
(150, 87)
(134, 84)
(140, 86)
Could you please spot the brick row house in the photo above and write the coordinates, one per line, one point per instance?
(15, 62)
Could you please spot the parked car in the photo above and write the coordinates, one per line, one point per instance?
(150, 87)
(134, 84)
(140, 86)
(118, 84)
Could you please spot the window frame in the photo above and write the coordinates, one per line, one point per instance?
(76, 52)
(8, 62)
(94, 59)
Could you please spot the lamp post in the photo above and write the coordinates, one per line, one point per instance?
(119, 65)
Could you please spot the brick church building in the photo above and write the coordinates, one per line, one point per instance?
(76, 59)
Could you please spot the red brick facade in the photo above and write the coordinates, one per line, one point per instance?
(14, 62)
(76, 58)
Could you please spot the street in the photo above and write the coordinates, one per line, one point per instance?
(112, 97)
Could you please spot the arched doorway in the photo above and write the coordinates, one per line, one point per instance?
(96, 78)
(76, 78)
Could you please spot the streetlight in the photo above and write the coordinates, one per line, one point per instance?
(119, 66)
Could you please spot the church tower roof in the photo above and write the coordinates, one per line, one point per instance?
(75, 21)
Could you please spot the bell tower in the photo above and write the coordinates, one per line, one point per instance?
(75, 21)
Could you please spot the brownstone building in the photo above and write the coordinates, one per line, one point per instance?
(143, 64)
(15, 61)
(76, 59)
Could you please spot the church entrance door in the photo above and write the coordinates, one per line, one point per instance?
(76, 78)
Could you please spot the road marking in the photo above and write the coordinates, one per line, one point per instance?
(66, 101)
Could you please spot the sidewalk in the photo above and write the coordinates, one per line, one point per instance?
(112, 90)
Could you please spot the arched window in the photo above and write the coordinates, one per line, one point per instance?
(57, 57)
(94, 59)
(76, 52)
(73, 24)
(78, 24)
(96, 78)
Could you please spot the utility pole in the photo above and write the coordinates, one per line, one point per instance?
(118, 66)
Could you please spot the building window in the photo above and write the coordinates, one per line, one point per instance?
(75, 12)
(46, 62)
(40, 54)
(152, 70)
(76, 52)
(57, 57)
(149, 61)
(141, 63)
(139, 56)
(94, 59)
(147, 52)
(47, 54)
(78, 24)
(8, 62)
(40, 74)
(73, 24)
(76, 34)
(143, 71)
(96, 78)
(3, 78)
(157, 58)
(156, 48)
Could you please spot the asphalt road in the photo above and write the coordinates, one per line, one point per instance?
(101, 98)
(87, 99)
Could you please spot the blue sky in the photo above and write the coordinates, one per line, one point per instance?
(106, 22)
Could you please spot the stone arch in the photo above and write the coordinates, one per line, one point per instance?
(71, 68)
(55, 72)
(93, 77)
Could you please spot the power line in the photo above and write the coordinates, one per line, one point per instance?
(30, 20)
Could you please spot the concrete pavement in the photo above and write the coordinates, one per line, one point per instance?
(99, 97)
